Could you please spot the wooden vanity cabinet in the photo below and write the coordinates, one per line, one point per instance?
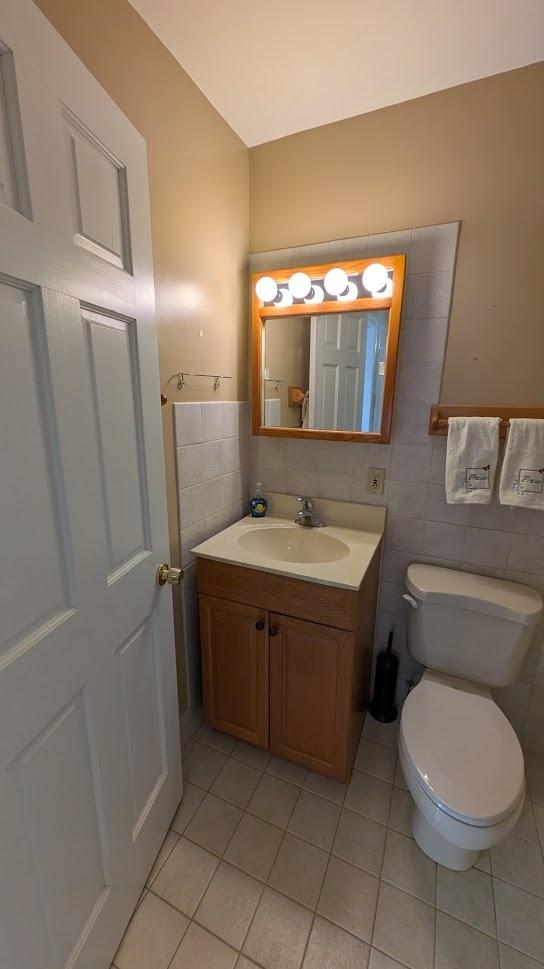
(235, 668)
(297, 684)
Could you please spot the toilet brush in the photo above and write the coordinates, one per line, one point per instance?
(383, 706)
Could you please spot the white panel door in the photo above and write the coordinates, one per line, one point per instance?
(337, 347)
(90, 771)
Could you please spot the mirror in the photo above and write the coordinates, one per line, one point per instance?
(332, 370)
(325, 348)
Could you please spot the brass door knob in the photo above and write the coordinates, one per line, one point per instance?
(165, 573)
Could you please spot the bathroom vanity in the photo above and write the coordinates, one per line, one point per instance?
(287, 620)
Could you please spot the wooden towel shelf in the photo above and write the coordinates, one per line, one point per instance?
(440, 414)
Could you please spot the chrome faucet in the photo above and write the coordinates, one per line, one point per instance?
(307, 516)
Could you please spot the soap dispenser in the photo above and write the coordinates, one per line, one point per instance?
(258, 503)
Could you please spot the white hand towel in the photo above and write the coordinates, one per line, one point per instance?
(522, 477)
(471, 459)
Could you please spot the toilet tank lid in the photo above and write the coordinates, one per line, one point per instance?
(479, 593)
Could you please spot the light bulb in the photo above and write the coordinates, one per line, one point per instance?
(316, 294)
(285, 298)
(351, 293)
(375, 277)
(266, 289)
(335, 281)
(300, 285)
(386, 292)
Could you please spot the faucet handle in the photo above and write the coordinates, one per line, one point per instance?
(306, 502)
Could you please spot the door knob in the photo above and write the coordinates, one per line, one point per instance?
(165, 573)
(273, 631)
(259, 625)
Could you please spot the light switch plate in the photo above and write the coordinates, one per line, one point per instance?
(375, 481)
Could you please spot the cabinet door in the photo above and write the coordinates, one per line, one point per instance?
(310, 688)
(235, 682)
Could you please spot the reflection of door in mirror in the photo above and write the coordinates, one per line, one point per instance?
(347, 361)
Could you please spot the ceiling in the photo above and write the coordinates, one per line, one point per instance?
(274, 68)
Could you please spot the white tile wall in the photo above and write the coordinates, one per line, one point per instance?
(211, 460)
(421, 526)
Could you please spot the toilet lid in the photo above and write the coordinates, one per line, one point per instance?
(464, 752)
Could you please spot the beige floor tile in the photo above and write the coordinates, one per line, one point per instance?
(539, 819)
(213, 824)
(360, 841)
(406, 867)
(459, 946)
(236, 782)
(325, 787)
(222, 742)
(534, 768)
(383, 733)
(468, 896)
(167, 846)
(244, 963)
(404, 928)
(512, 959)
(203, 765)
(229, 904)
(379, 960)
(279, 932)
(287, 771)
(520, 919)
(483, 862)
(369, 796)
(348, 898)
(376, 759)
(254, 846)
(273, 800)
(201, 950)
(520, 863)
(401, 811)
(399, 777)
(152, 936)
(192, 797)
(314, 819)
(250, 755)
(298, 870)
(185, 876)
(330, 946)
(526, 827)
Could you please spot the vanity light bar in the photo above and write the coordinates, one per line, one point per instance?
(376, 280)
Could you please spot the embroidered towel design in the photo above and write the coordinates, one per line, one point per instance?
(471, 459)
(522, 477)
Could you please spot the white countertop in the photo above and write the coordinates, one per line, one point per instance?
(359, 527)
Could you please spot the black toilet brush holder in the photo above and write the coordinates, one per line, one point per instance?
(383, 707)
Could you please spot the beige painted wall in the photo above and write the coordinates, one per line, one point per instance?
(198, 177)
(472, 153)
(287, 355)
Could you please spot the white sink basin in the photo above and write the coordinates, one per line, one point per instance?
(293, 543)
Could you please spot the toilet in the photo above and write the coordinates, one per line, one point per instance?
(461, 758)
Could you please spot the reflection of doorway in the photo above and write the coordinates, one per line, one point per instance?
(347, 354)
(374, 372)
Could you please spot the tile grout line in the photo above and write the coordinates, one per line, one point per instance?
(330, 855)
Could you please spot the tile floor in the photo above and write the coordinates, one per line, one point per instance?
(268, 866)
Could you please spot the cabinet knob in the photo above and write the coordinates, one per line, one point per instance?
(259, 624)
(273, 631)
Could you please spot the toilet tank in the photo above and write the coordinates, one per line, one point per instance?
(472, 626)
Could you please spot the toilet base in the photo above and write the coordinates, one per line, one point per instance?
(435, 846)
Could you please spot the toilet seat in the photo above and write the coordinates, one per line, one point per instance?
(461, 750)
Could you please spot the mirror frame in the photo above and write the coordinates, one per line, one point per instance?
(260, 313)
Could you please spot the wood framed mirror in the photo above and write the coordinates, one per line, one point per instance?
(325, 343)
